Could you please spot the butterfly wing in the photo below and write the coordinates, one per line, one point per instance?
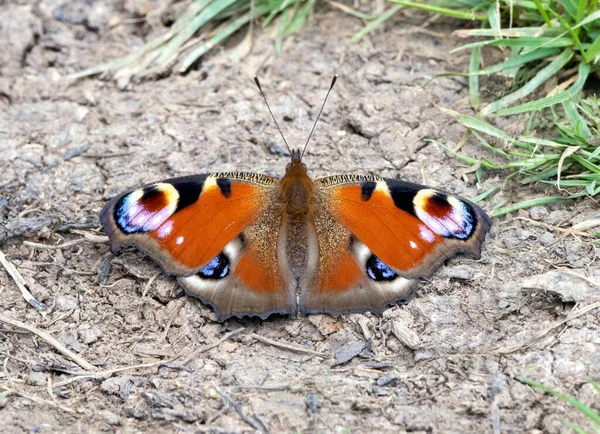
(217, 232)
(375, 236)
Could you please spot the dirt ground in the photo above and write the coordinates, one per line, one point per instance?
(444, 363)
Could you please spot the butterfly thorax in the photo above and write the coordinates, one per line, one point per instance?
(296, 189)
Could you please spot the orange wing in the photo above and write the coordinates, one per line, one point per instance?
(219, 232)
(375, 236)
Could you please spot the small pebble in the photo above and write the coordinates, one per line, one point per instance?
(349, 351)
(387, 380)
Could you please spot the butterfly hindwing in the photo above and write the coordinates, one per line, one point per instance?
(209, 230)
(376, 235)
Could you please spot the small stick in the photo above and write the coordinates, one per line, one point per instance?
(289, 347)
(50, 340)
(108, 155)
(42, 246)
(92, 375)
(99, 239)
(171, 319)
(21, 284)
(283, 387)
(250, 421)
(539, 335)
(195, 354)
(37, 399)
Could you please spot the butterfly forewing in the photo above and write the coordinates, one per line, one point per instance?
(212, 231)
(409, 227)
(376, 235)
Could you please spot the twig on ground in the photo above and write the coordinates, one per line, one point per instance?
(53, 246)
(276, 388)
(101, 374)
(289, 347)
(195, 354)
(250, 421)
(50, 340)
(21, 284)
(212, 429)
(541, 334)
(569, 231)
(108, 155)
(50, 391)
(149, 284)
(37, 399)
(92, 238)
(59, 318)
(176, 310)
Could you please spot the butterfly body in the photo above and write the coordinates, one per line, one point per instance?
(248, 244)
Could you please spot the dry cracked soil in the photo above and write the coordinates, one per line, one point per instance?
(446, 362)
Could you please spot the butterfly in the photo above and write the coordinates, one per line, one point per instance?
(252, 245)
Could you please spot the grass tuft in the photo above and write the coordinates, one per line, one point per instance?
(205, 25)
(553, 51)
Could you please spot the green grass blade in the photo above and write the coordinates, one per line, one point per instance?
(453, 13)
(517, 61)
(542, 12)
(581, 7)
(570, 8)
(515, 32)
(542, 142)
(483, 195)
(544, 174)
(590, 18)
(593, 51)
(284, 18)
(487, 145)
(474, 63)
(568, 183)
(573, 34)
(351, 11)
(578, 405)
(515, 54)
(531, 203)
(531, 43)
(534, 105)
(484, 162)
(376, 23)
(224, 33)
(210, 11)
(494, 20)
(540, 78)
(299, 18)
(577, 122)
(478, 125)
(586, 163)
(548, 101)
(576, 428)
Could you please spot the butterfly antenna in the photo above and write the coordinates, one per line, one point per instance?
(268, 107)
(319, 115)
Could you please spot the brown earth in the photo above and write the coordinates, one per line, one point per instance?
(446, 362)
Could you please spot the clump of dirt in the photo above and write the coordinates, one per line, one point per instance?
(446, 362)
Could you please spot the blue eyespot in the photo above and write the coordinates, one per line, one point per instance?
(217, 268)
(378, 271)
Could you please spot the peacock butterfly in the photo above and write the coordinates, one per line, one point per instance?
(252, 245)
